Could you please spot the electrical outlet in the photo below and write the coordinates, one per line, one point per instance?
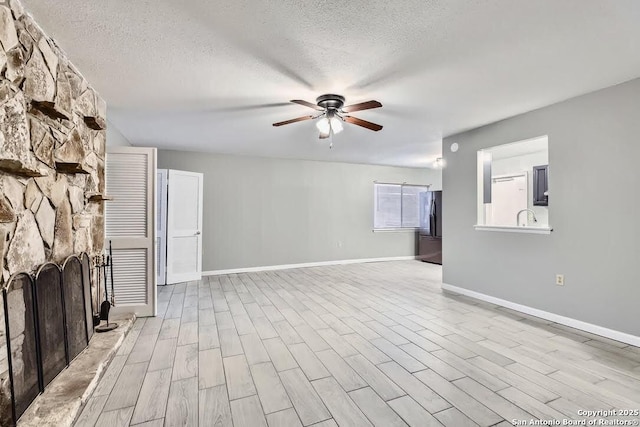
(339, 244)
(560, 279)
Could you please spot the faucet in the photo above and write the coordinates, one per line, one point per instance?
(525, 210)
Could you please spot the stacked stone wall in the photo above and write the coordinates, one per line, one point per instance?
(52, 152)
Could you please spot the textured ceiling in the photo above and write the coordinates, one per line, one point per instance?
(212, 75)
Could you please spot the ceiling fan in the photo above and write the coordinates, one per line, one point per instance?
(333, 113)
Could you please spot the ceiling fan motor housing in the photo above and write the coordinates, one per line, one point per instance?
(330, 101)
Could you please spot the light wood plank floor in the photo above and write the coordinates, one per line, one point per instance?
(356, 345)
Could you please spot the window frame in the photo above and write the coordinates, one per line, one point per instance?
(484, 178)
(401, 216)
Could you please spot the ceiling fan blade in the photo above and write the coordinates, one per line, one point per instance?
(307, 104)
(299, 119)
(361, 106)
(363, 123)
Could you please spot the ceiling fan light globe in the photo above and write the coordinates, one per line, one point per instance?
(336, 125)
(323, 125)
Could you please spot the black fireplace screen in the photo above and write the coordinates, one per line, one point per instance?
(48, 322)
(86, 286)
(50, 315)
(74, 309)
(21, 342)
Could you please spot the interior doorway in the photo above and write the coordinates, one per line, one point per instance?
(179, 226)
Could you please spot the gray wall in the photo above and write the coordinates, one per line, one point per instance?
(594, 208)
(115, 138)
(261, 211)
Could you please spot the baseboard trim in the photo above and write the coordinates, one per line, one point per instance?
(304, 264)
(567, 321)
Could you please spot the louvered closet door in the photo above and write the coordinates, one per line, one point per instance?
(130, 225)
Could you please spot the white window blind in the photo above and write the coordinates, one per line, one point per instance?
(397, 205)
(388, 205)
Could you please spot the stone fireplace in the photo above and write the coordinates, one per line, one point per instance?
(52, 150)
(47, 324)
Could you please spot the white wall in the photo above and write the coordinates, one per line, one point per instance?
(263, 211)
(593, 209)
(115, 138)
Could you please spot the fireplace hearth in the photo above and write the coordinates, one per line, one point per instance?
(48, 323)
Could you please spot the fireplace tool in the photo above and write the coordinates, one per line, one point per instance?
(105, 307)
(96, 315)
(113, 294)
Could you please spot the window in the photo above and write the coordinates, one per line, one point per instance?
(397, 206)
(508, 196)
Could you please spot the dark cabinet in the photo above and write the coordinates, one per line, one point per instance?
(541, 185)
(429, 248)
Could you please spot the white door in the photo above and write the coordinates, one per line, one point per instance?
(161, 226)
(508, 197)
(130, 225)
(184, 226)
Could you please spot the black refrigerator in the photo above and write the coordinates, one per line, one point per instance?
(430, 232)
